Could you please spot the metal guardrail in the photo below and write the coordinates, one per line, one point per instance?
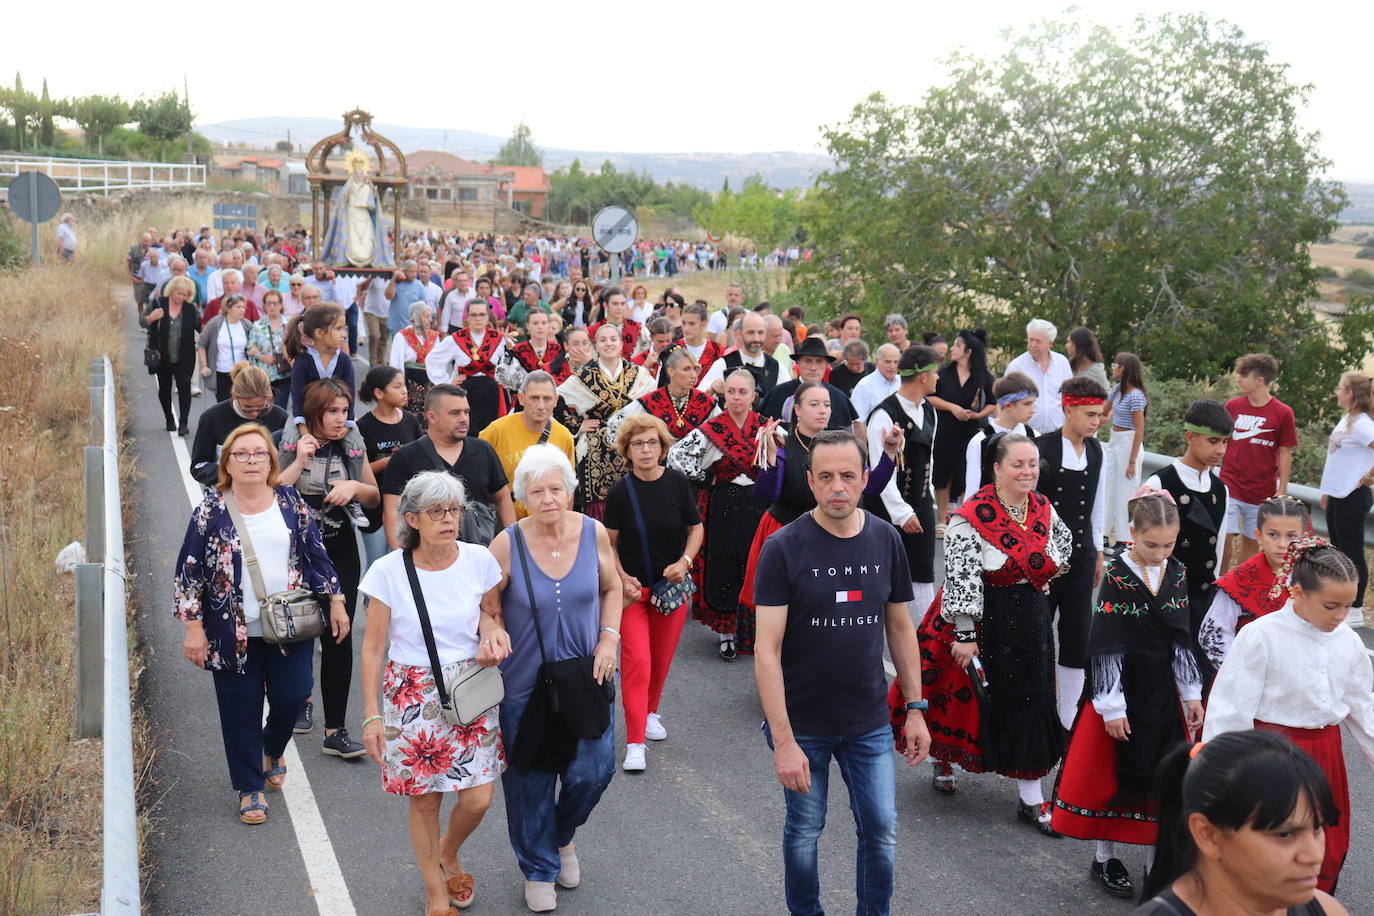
(104, 175)
(1154, 462)
(104, 702)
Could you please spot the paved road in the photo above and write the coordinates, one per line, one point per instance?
(698, 833)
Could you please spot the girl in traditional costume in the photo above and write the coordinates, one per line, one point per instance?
(1303, 672)
(594, 395)
(1146, 694)
(1246, 592)
(719, 456)
(409, 350)
(469, 357)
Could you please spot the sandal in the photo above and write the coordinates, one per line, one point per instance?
(276, 776)
(254, 813)
(939, 532)
(460, 890)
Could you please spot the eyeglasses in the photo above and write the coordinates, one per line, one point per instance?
(250, 457)
(439, 513)
(644, 444)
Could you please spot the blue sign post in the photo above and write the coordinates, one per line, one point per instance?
(236, 216)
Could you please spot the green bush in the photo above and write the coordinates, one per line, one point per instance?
(1360, 277)
(14, 250)
(1327, 272)
(1365, 254)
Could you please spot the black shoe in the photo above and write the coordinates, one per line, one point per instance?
(171, 426)
(727, 650)
(1036, 816)
(305, 720)
(1113, 878)
(943, 780)
(340, 745)
(183, 431)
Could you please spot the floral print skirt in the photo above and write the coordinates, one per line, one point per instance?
(423, 752)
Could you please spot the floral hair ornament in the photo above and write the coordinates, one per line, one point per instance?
(1080, 400)
(1296, 549)
(1146, 490)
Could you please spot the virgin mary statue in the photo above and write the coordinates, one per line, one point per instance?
(357, 233)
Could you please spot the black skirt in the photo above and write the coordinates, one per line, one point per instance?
(920, 548)
(1022, 736)
(732, 516)
(484, 400)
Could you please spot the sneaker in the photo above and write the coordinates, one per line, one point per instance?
(340, 745)
(634, 758)
(305, 720)
(195, 391)
(569, 869)
(1113, 878)
(540, 896)
(653, 728)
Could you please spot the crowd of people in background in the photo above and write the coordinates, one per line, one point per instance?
(562, 469)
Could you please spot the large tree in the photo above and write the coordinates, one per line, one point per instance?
(1152, 183)
(759, 213)
(166, 117)
(98, 116)
(519, 149)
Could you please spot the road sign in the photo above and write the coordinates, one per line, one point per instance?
(34, 198)
(614, 229)
(236, 216)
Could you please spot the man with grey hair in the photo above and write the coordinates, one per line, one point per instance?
(777, 344)
(66, 237)
(895, 327)
(734, 298)
(1048, 370)
(533, 424)
(214, 284)
(232, 282)
(402, 290)
(877, 386)
(851, 367)
(750, 355)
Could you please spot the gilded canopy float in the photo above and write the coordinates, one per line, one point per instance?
(350, 204)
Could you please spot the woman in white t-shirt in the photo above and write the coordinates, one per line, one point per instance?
(224, 343)
(422, 756)
(1349, 470)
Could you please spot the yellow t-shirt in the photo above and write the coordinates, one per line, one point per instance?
(509, 436)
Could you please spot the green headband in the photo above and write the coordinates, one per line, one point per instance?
(1205, 431)
(917, 370)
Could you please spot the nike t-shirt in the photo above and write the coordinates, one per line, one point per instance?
(835, 590)
(1251, 468)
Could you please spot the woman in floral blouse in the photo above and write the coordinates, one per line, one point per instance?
(215, 599)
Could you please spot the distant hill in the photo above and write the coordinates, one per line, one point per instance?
(704, 170)
(1361, 206)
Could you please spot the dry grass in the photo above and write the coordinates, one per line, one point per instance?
(54, 319)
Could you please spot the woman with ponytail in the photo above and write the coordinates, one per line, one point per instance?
(1241, 820)
(1301, 671)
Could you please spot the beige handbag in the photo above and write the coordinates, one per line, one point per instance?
(291, 616)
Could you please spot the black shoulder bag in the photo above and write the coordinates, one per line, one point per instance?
(475, 690)
(478, 524)
(665, 595)
(567, 704)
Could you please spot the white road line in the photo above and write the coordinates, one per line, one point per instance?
(321, 864)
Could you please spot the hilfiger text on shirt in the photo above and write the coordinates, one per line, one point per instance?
(864, 621)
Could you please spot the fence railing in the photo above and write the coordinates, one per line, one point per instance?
(101, 176)
(104, 703)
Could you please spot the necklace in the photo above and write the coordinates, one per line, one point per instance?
(801, 440)
(1152, 587)
(1017, 513)
(679, 422)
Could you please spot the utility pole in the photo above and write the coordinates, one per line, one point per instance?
(289, 147)
(186, 94)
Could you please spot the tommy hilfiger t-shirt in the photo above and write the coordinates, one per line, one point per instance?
(835, 590)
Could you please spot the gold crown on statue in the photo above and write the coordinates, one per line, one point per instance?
(357, 159)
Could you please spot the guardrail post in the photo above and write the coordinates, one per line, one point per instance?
(90, 649)
(95, 503)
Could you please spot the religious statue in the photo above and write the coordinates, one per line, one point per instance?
(357, 233)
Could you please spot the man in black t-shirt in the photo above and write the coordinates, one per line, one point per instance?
(448, 447)
(829, 587)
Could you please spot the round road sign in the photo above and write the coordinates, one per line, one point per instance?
(34, 197)
(614, 229)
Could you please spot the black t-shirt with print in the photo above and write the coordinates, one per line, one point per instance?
(669, 507)
(835, 590)
(384, 438)
(478, 468)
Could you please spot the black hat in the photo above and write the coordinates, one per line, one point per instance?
(813, 346)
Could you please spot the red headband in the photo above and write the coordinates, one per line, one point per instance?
(1080, 400)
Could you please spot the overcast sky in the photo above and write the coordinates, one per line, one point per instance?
(701, 75)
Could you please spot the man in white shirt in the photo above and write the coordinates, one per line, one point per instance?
(214, 284)
(375, 305)
(908, 500)
(716, 327)
(66, 237)
(878, 385)
(750, 355)
(454, 301)
(775, 344)
(1048, 370)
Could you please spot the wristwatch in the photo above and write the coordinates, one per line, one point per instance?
(918, 705)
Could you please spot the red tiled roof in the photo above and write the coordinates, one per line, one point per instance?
(447, 163)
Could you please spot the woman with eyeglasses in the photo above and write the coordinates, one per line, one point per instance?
(250, 401)
(330, 470)
(291, 303)
(215, 599)
(266, 346)
(580, 310)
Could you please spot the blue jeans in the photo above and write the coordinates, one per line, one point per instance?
(540, 824)
(866, 766)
